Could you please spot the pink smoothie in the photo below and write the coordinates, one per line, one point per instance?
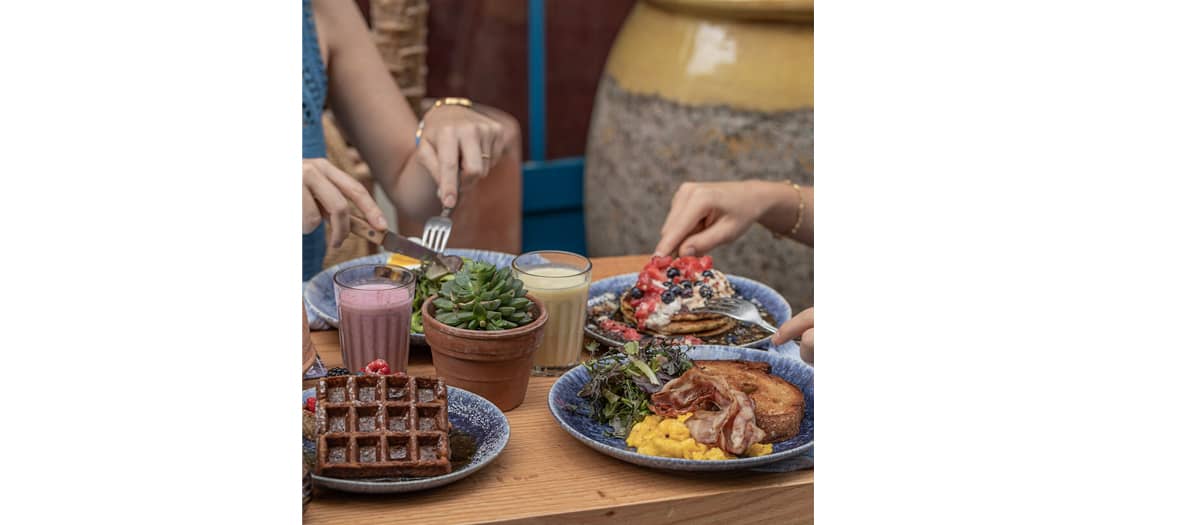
(375, 323)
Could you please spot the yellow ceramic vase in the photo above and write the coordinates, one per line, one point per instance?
(703, 90)
(746, 54)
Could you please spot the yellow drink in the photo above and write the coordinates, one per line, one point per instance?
(562, 286)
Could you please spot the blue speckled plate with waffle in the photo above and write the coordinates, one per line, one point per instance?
(468, 413)
(573, 415)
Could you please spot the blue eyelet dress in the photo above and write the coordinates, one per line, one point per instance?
(315, 87)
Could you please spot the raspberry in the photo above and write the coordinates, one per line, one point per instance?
(310, 406)
(377, 367)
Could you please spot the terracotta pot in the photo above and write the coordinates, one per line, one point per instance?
(494, 364)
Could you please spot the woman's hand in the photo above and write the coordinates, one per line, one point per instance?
(327, 191)
(454, 133)
(705, 215)
(800, 325)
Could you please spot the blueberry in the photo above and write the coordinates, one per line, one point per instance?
(673, 273)
(706, 292)
(707, 273)
(686, 292)
(686, 284)
(668, 284)
(636, 293)
(697, 283)
(668, 297)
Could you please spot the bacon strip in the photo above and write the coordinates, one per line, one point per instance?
(722, 415)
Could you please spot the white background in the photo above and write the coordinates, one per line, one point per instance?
(996, 267)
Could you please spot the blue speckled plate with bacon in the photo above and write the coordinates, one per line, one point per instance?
(573, 415)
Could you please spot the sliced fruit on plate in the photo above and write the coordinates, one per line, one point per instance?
(405, 261)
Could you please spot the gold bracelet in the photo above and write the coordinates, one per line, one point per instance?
(445, 101)
(799, 218)
(802, 206)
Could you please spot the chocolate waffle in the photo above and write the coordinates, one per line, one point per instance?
(381, 426)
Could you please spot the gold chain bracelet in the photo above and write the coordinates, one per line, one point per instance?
(799, 218)
(446, 101)
(802, 207)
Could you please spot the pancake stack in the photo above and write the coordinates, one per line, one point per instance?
(683, 323)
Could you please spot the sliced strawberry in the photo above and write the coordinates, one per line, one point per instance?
(310, 406)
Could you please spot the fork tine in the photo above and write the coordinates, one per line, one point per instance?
(432, 237)
(427, 232)
(446, 236)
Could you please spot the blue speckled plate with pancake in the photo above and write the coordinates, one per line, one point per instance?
(746, 288)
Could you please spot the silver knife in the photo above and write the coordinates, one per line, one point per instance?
(397, 244)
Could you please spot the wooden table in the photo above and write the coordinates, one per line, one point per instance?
(546, 476)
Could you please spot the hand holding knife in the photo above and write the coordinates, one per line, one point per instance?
(398, 244)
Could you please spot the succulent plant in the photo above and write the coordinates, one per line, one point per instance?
(481, 297)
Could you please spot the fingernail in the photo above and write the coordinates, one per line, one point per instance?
(449, 201)
(382, 224)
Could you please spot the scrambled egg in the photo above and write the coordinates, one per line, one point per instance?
(669, 437)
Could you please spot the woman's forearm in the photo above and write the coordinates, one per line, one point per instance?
(414, 192)
(788, 208)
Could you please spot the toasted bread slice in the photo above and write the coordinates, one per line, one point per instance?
(778, 405)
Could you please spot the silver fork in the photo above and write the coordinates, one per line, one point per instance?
(739, 309)
(437, 231)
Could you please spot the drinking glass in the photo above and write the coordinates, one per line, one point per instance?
(374, 302)
(560, 280)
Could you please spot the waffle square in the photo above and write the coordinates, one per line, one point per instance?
(381, 426)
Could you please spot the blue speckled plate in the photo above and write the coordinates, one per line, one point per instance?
(321, 298)
(467, 412)
(572, 414)
(750, 289)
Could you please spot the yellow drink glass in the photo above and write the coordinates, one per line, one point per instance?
(561, 281)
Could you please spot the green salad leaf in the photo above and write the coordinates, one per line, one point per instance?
(622, 382)
(426, 288)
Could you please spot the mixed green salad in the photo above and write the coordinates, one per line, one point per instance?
(622, 381)
(431, 277)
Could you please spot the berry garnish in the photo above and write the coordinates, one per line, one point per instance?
(377, 367)
(686, 284)
(707, 273)
(668, 284)
(310, 406)
(338, 371)
(697, 283)
(686, 292)
(667, 297)
(706, 292)
(636, 293)
(673, 272)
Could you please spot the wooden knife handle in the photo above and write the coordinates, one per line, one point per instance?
(361, 229)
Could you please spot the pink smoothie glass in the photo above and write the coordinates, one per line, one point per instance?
(374, 302)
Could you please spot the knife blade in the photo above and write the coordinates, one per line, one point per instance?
(396, 243)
